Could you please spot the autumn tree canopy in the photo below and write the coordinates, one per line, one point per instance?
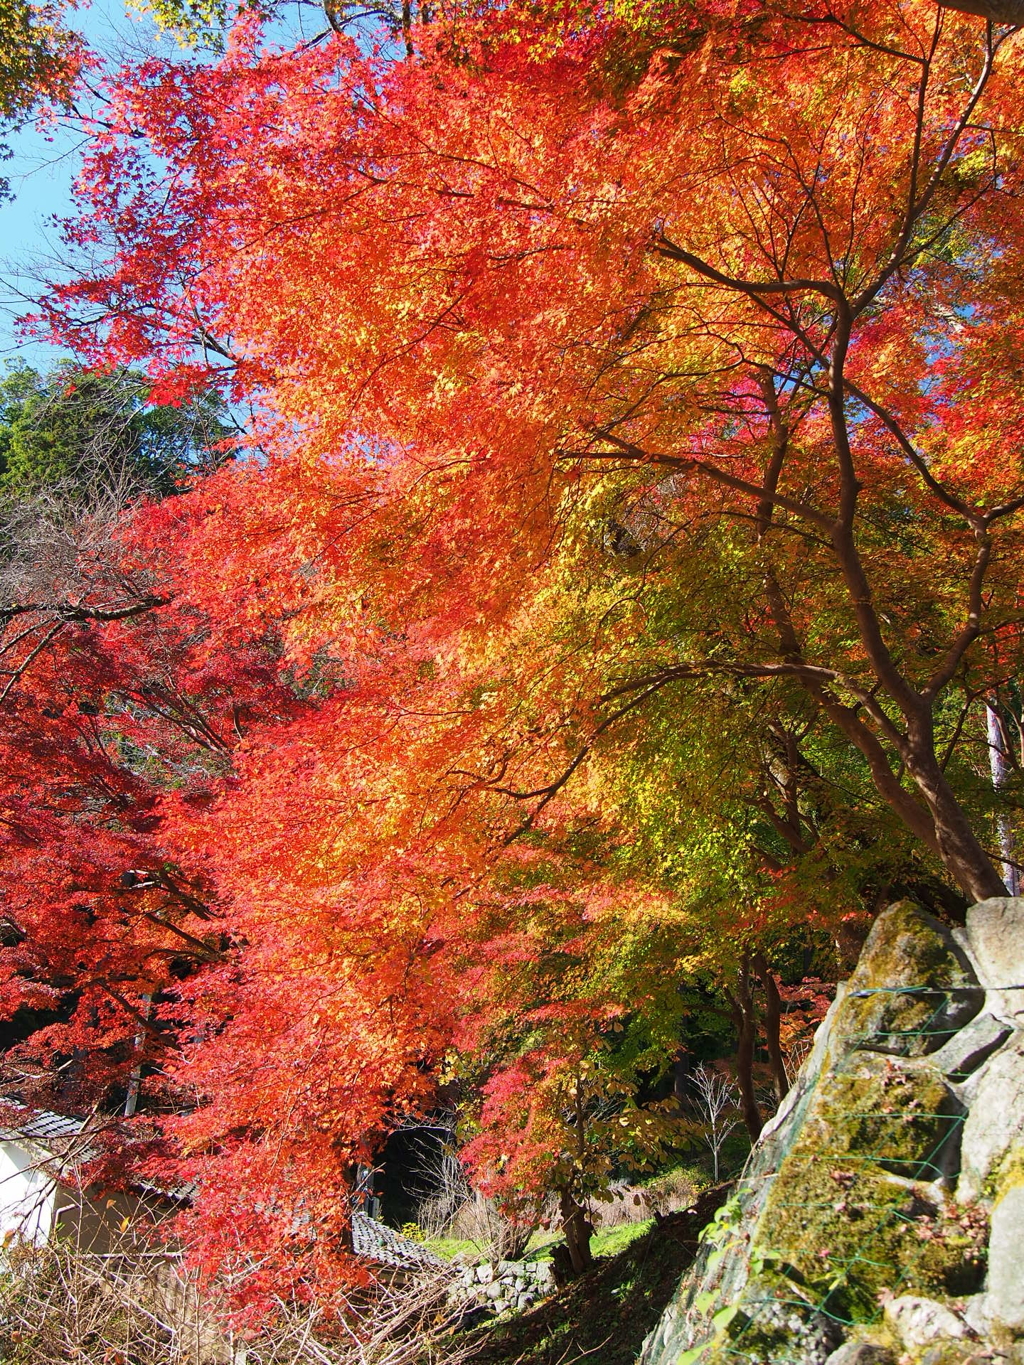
(39, 58)
(627, 553)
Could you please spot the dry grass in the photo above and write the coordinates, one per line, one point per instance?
(452, 1208)
(669, 1193)
(58, 1303)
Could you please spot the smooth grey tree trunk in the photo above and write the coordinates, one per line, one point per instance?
(1000, 770)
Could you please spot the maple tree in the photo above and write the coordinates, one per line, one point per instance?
(630, 547)
(741, 374)
(39, 59)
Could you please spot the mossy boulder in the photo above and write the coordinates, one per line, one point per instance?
(852, 1213)
(847, 1201)
(903, 1120)
(855, 1197)
(913, 988)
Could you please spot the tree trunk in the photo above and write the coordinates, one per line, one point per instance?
(957, 843)
(937, 818)
(578, 1231)
(773, 1027)
(998, 747)
(135, 1079)
(682, 1069)
(744, 1016)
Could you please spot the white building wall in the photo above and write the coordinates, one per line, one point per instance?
(27, 1193)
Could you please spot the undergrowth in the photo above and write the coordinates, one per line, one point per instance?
(59, 1304)
(604, 1315)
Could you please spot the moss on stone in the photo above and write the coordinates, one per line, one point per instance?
(836, 1213)
(906, 949)
(1006, 1177)
(883, 1012)
(903, 1120)
(856, 1208)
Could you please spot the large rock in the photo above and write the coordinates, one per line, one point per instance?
(919, 1322)
(913, 988)
(994, 940)
(915, 1083)
(971, 1047)
(1004, 1300)
(994, 1127)
(860, 1353)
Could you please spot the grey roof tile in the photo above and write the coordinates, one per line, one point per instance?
(376, 1242)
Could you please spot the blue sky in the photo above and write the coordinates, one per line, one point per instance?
(42, 173)
(44, 165)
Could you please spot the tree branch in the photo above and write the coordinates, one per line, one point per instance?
(665, 247)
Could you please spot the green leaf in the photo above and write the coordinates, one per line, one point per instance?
(724, 1316)
(691, 1356)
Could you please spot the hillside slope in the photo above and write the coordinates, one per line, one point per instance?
(881, 1217)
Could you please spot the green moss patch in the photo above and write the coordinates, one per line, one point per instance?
(912, 989)
(907, 1122)
(1009, 1175)
(846, 1211)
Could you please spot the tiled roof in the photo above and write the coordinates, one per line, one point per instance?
(64, 1137)
(376, 1242)
(45, 1125)
(67, 1140)
(179, 1194)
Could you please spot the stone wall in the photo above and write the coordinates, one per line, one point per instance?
(880, 1219)
(503, 1286)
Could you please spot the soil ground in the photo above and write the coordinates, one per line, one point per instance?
(603, 1316)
